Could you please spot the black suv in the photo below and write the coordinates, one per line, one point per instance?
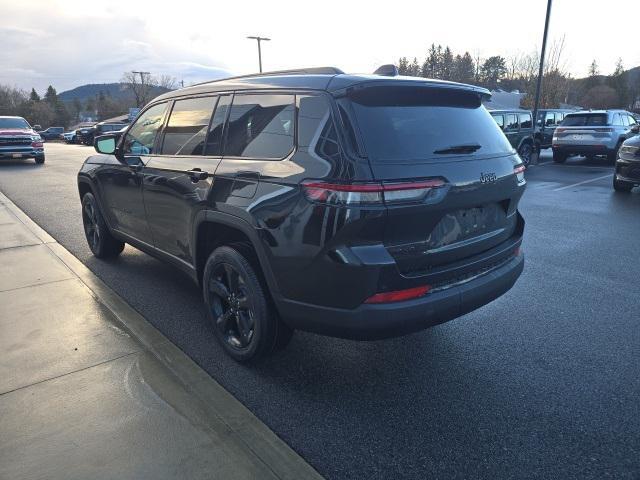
(357, 206)
(86, 135)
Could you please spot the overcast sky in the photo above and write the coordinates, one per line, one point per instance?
(68, 43)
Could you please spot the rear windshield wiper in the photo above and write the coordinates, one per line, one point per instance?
(470, 148)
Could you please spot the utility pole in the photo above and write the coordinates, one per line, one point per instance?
(260, 39)
(541, 69)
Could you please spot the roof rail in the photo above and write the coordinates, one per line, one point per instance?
(295, 71)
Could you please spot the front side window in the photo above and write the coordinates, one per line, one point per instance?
(512, 122)
(525, 120)
(549, 119)
(617, 120)
(260, 126)
(142, 134)
(186, 129)
(214, 139)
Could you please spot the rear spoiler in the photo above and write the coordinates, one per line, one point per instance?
(483, 93)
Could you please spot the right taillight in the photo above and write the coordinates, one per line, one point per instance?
(519, 171)
(372, 193)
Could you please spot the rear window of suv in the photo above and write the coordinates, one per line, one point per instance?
(585, 119)
(408, 124)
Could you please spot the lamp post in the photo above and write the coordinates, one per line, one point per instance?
(536, 103)
(260, 39)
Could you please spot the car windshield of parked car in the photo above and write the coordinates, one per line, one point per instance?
(13, 123)
(405, 124)
(585, 119)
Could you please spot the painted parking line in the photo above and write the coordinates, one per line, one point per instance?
(608, 175)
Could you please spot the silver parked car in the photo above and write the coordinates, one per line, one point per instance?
(593, 132)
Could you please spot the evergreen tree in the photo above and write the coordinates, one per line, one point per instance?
(431, 66)
(34, 97)
(493, 69)
(446, 64)
(51, 96)
(620, 83)
(593, 79)
(403, 66)
(464, 69)
(414, 68)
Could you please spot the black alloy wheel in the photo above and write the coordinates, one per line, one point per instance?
(525, 151)
(99, 238)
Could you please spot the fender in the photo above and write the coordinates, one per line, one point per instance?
(253, 233)
(87, 180)
(529, 139)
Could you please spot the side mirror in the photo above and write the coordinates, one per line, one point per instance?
(37, 127)
(635, 129)
(105, 144)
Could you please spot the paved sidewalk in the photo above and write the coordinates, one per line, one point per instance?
(90, 390)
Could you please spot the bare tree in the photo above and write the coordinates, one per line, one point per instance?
(140, 86)
(167, 81)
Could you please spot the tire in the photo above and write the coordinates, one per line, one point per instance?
(96, 231)
(525, 151)
(559, 157)
(613, 155)
(620, 186)
(39, 160)
(239, 308)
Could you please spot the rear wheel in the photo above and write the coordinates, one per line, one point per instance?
(559, 157)
(40, 160)
(246, 324)
(99, 238)
(525, 151)
(620, 186)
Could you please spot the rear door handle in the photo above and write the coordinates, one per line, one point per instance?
(197, 174)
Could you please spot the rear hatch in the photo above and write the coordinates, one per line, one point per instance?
(422, 133)
(583, 129)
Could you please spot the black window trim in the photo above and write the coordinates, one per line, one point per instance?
(168, 105)
(294, 148)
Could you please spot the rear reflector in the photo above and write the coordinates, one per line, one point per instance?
(399, 295)
(370, 193)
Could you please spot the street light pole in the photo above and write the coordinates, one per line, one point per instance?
(260, 39)
(541, 69)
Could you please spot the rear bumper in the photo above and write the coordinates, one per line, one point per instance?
(601, 149)
(370, 322)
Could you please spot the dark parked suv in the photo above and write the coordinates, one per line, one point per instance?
(518, 128)
(357, 206)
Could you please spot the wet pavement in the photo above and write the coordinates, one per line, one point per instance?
(541, 383)
(89, 390)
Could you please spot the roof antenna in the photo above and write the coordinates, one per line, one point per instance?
(387, 70)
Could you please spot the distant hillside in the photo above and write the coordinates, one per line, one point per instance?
(117, 91)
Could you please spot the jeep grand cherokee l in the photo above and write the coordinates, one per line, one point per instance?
(357, 206)
(18, 140)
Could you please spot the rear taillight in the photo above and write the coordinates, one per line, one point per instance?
(560, 130)
(519, 171)
(399, 295)
(372, 193)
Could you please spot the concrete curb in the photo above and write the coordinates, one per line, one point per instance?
(277, 456)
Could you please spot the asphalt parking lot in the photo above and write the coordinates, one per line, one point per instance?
(541, 383)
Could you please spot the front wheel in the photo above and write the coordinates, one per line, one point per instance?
(99, 238)
(246, 324)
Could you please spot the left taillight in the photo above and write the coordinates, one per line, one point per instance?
(372, 193)
(519, 171)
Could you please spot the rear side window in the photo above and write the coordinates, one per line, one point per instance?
(214, 139)
(525, 120)
(512, 121)
(412, 124)
(559, 117)
(186, 129)
(499, 120)
(142, 135)
(632, 121)
(549, 119)
(260, 126)
(585, 119)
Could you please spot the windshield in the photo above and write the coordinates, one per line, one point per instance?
(13, 123)
(585, 119)
(405, 124)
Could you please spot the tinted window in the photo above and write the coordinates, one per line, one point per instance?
(499, 120)
(584, 119)
(559, 117)
(408, 124)
(512, 121)
(214, 140)
(549, 119)
(316, 130)
(186, 129)
(142, 135)
(260, 126)
(617, 120)
(525, 120)
(632, 121)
